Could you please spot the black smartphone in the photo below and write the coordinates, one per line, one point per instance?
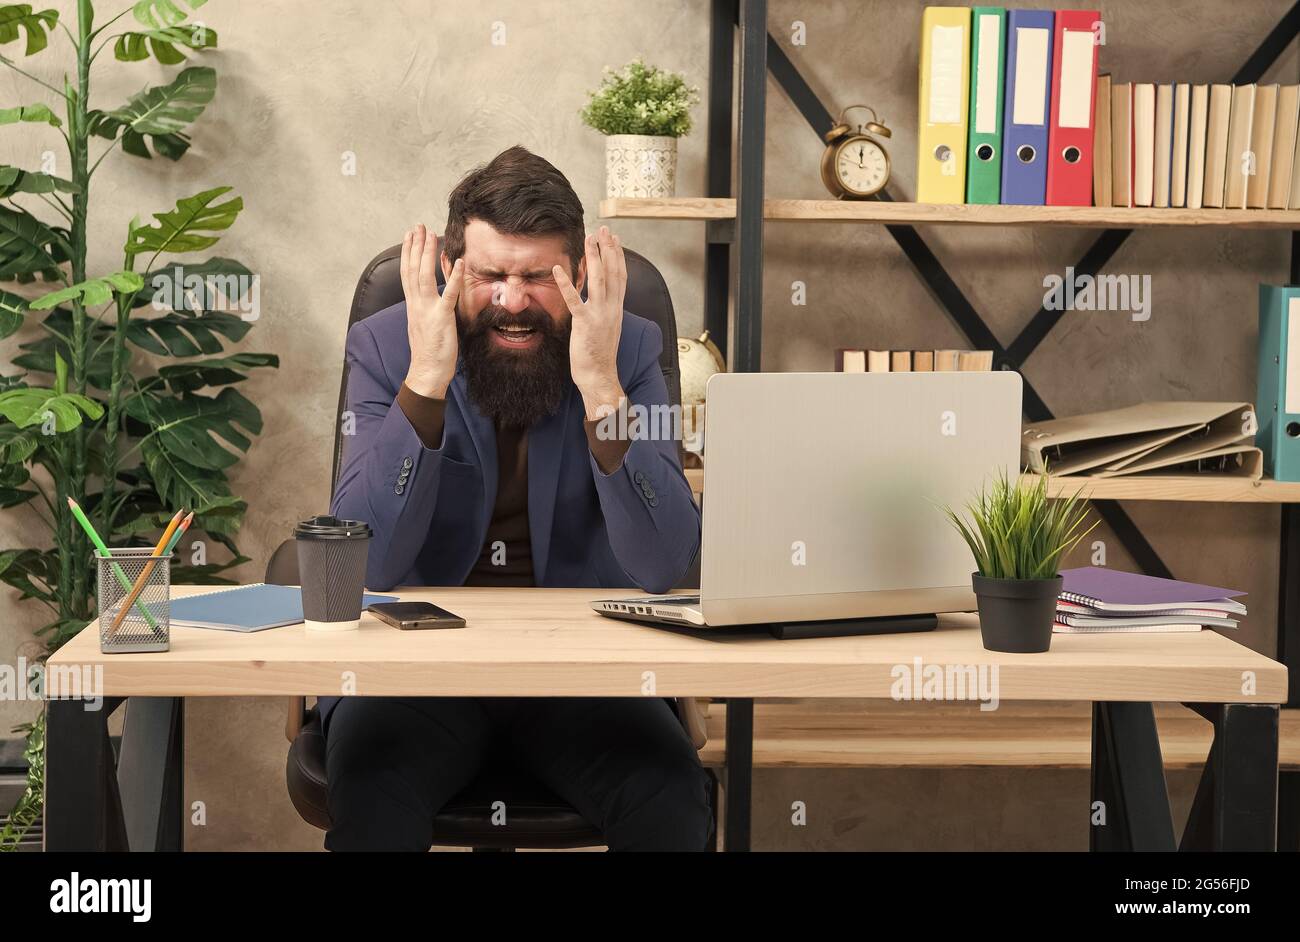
(409, 615)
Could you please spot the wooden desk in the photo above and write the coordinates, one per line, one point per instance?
(548, 642)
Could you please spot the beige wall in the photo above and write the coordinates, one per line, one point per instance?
(419, 94)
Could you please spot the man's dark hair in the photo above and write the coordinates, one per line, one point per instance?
(517, 193)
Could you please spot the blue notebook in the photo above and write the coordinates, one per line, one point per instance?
(247, 608)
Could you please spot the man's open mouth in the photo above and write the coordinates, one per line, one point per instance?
(515, 335)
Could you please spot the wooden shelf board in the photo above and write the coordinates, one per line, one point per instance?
(1185, 487)
(869, 211)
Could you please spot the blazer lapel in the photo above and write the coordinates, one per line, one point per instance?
(545, 453)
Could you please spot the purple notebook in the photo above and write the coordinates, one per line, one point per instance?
(1111, 588)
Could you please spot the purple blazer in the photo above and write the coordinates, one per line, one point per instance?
(636, 527)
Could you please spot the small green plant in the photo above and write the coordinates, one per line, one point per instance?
(1019, 532)
(641, 99)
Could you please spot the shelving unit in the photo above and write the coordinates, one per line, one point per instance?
(734, 217)
(867, 211)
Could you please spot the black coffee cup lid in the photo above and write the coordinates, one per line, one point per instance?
(327, 527)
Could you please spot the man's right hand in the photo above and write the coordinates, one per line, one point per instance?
(430, 318)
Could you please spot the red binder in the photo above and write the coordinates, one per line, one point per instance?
(1074, 88)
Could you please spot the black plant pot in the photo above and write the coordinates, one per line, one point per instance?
(1016, 614)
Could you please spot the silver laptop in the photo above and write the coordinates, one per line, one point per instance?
(824, 492)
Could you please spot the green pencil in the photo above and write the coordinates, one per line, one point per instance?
(103, 551)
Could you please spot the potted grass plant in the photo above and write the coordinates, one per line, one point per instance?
(1018, 536)
(641, 110)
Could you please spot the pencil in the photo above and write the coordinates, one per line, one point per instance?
(102, 550)
(158, 553)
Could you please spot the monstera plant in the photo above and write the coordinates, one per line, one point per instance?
(124, 396)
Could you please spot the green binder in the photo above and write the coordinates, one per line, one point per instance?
(987, 65)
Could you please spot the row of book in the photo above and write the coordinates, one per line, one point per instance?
(1006, 106)
(1194, 146)
(848, 360)
(1098, 600)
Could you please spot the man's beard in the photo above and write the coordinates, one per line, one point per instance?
(514, 388)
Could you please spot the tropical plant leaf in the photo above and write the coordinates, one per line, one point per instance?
(193, 428)
(162, 43)
(16, 445)
(187, 227)
(93, 291)
(171, 146)
(194, 287)
(168, 109)
(13, 180)
(15, 16)
(180, 335)
(28, 407)
(12, 478)
(13, 311)
(217, 371)
(161, 13)
(37, 114)
(20, 567)
(29, 247)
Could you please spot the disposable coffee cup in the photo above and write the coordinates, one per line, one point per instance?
(332, 568)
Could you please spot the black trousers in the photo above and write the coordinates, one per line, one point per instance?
(625, 764)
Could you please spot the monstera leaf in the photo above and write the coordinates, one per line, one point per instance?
(18, 567)
(16, 444)
(162, 113)
(37, 114)
(29, 247)
(187, 228)
(218, 371)
(16, 16)
(162, 43)
(27, 407)
(160, 13)
(180, 335)
(196, 287)
(12, 478)
(192, 428)
(93, 292)
(13, 308)
(13, 180)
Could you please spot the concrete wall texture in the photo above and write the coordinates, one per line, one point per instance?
(416, 92)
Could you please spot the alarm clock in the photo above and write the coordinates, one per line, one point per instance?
(855, 165)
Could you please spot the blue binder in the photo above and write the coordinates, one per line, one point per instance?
(1278, 403)
(1029, 98)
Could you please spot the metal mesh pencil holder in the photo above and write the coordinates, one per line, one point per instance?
(134, 600)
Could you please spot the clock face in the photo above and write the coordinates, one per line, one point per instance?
(861, 166)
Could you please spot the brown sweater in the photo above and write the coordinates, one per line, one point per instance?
(506, 558)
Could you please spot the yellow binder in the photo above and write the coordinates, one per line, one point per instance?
(944, 105)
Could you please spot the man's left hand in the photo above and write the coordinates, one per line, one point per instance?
(597, 322)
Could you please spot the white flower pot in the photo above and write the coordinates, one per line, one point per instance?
(639, 165)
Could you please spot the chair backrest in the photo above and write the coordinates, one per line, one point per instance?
(380, 286)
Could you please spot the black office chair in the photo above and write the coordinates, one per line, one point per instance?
(538, 818)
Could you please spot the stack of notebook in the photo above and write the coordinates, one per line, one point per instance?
(1096, 600)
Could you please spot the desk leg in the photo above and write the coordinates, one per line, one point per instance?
(1130, 800)
(83, 809)
(739, 772)
(1236, 801)
(150, 773)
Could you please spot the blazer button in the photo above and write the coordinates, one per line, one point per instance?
(398, 488)
(639, 477)
(653, 501)
(401, 478)
(407, 462)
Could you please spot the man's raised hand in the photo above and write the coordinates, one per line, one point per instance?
(430, 318)
(597, 322)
